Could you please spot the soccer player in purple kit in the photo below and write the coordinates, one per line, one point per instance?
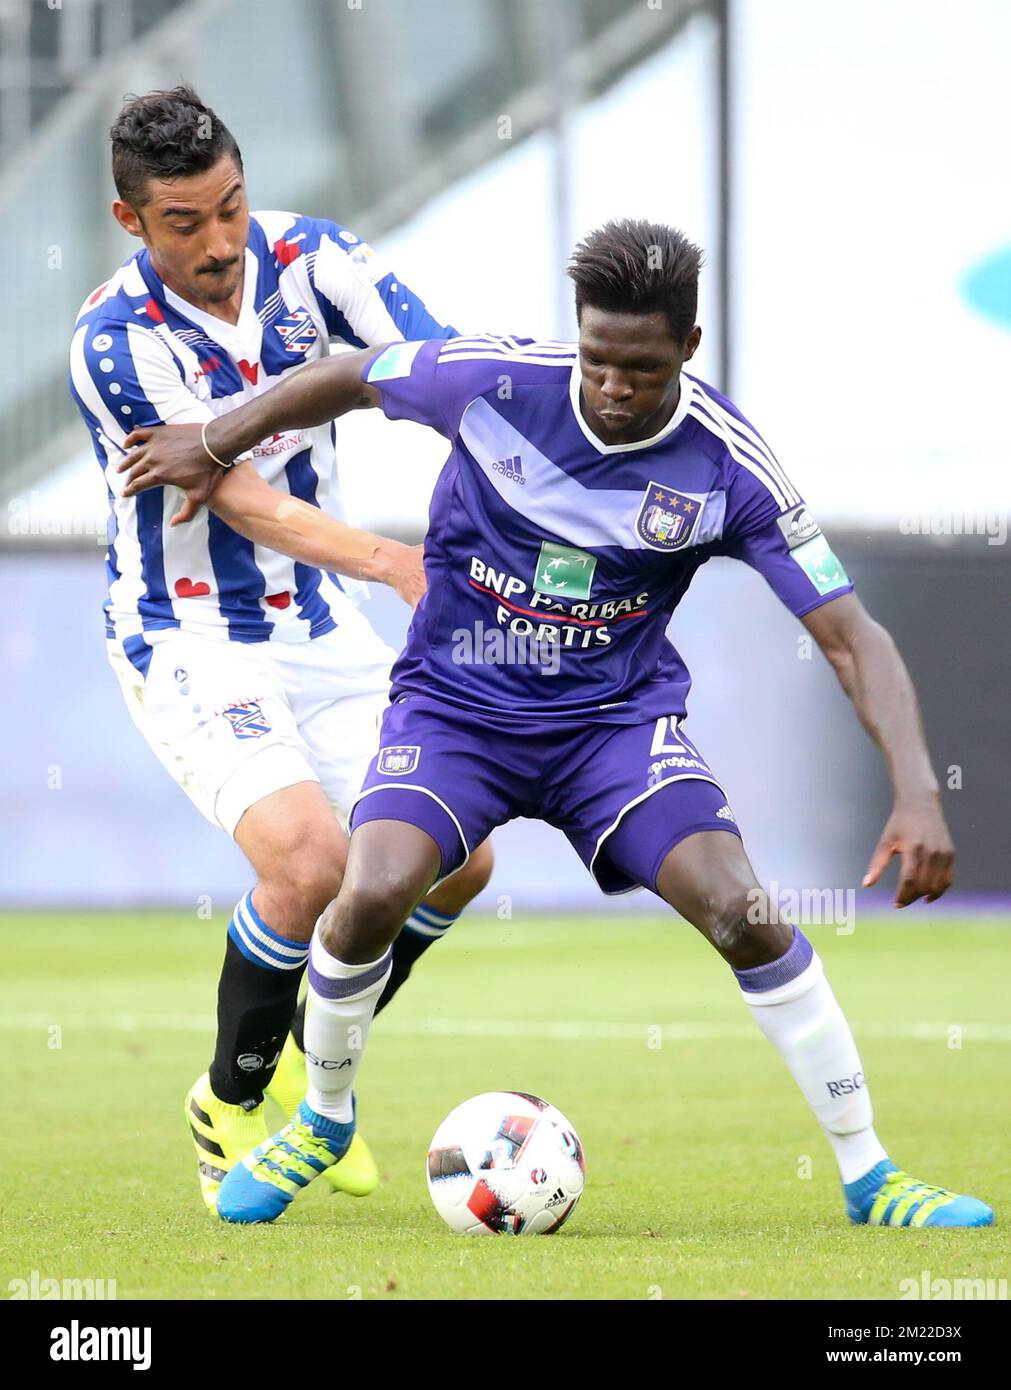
(586, 486)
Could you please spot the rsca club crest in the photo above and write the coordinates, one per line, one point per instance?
(398, 761)
(667, 518)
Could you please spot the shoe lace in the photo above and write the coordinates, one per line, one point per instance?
(903, 1182)
(292, 1148)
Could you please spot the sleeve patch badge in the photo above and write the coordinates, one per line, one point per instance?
(370, 267)
(798, 526)
(821, 566)
(395, 362)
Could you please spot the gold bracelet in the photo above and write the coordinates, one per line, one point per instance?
(207, 448)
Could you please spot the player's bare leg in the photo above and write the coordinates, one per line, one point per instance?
(390, 867)
(428, 923)
(709, 880)
(298, 850)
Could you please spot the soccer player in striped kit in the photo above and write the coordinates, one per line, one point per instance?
(252, 675)
(576, 509)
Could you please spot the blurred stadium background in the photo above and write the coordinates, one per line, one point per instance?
(841, 164)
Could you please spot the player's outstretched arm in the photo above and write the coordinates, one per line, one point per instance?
(262, 514)
(314, 395)
(191, 458)
(874, 676)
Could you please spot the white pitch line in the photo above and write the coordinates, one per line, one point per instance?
(575, 1030)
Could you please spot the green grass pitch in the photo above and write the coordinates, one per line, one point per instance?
(695, 1148)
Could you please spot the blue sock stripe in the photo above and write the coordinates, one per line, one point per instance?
(259, 956)
(774, 973)
(255, 924)
(266, 956)
(431, 918)
(417, 927)
(247, 903)
(262, 946)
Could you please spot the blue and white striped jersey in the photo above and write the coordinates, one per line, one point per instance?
(141, 355)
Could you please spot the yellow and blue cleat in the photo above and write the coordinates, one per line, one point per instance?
(221, 1134)
(261, 1186)
(888, 1197)
(356, 1173)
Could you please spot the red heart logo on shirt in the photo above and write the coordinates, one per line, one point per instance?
(250, 371)
(278, 600)
(286, 251)
(185, 588)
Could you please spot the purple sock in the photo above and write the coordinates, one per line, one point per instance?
(774, 973)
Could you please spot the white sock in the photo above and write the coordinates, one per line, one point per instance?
(802, 1019)
(341, 1001)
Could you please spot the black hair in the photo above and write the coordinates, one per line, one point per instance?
(638, 267)
(165, 135)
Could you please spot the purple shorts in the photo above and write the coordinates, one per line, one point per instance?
(624, 794)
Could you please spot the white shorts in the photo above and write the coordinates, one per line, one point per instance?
(234, 721)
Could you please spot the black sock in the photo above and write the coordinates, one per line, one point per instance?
(406, 950)
(255, 1005)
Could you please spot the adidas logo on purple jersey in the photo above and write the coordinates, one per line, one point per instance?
(511, 468)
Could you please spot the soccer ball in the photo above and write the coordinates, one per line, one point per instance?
(505, 1163)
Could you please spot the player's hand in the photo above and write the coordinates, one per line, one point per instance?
(917, 833)
(402, 568)
(171, 456)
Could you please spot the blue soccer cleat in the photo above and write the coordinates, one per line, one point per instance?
(262, 1185)
(888, 1197)
(356, 1173)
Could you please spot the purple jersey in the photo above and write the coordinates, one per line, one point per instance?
(554, 560)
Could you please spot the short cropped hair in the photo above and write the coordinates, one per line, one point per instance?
(639, 267)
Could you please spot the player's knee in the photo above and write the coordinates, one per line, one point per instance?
(727, 924)
(743, 929)
(311, 878)
(368, 916)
